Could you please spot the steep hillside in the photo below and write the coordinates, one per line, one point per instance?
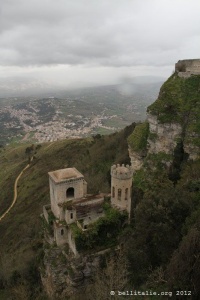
(164, 246)
(173, 122)
(174, 116)
(20, 230)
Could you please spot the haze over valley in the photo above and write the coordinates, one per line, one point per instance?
(74, 114)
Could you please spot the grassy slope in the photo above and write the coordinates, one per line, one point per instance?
(178, 101)
(20, 230)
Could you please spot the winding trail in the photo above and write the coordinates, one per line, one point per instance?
(51, 144)
(15, 192)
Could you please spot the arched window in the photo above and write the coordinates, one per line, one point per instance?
(62, 231)
(113, 192)
(126, 194)
(70, 192)
(119, 194)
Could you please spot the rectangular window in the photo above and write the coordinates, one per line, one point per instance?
(119, 194)
(71, 215)
(126, 194)
(113, 192)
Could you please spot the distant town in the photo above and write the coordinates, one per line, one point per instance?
(50, 119)
(59, 127)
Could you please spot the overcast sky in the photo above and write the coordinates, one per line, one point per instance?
(75, 42)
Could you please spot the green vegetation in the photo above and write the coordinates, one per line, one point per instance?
(152, 136)
(179, 101)
(101, 234)
(162, 247)
(103, 131)
(158, 161)
(138, 139)
(165, 229)
(21, 228)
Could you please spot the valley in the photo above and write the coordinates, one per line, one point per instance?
(73, 114)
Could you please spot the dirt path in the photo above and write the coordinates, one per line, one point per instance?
(15, 192)
(52, 143)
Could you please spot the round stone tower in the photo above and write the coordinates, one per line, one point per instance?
(121, 187)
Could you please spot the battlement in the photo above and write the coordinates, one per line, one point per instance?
(188, 67)
(121, 172)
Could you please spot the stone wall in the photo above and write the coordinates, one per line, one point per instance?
(187, 67)
(60, 234)
(70, 216)
(121, 180)
(58, 192)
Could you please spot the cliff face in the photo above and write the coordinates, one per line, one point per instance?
(173, 118)
(136, 159)
(162, 137)
(63, 274)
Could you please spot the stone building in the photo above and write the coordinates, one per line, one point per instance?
(188, 67)
(70, 204)
(121, 187)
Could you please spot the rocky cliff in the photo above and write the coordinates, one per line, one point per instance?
(63, 274)
(174, 118)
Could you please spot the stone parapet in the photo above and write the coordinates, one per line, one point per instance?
(121, 172)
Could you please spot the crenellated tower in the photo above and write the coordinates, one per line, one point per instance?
(121, 187)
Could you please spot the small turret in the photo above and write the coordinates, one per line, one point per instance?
(121, 187)
(121, 172)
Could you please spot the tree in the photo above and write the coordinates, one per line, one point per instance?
(113, 277)
(183, 271)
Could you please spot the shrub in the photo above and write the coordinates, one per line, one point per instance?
(138, 139)
(102, 233)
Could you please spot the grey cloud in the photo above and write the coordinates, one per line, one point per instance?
(86, 32)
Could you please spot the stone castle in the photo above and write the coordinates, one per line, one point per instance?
(71, 204)
(187, 67)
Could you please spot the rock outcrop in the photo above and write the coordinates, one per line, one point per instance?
(63, 274)
(173, 118)
(162, 137)
(136, 159)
